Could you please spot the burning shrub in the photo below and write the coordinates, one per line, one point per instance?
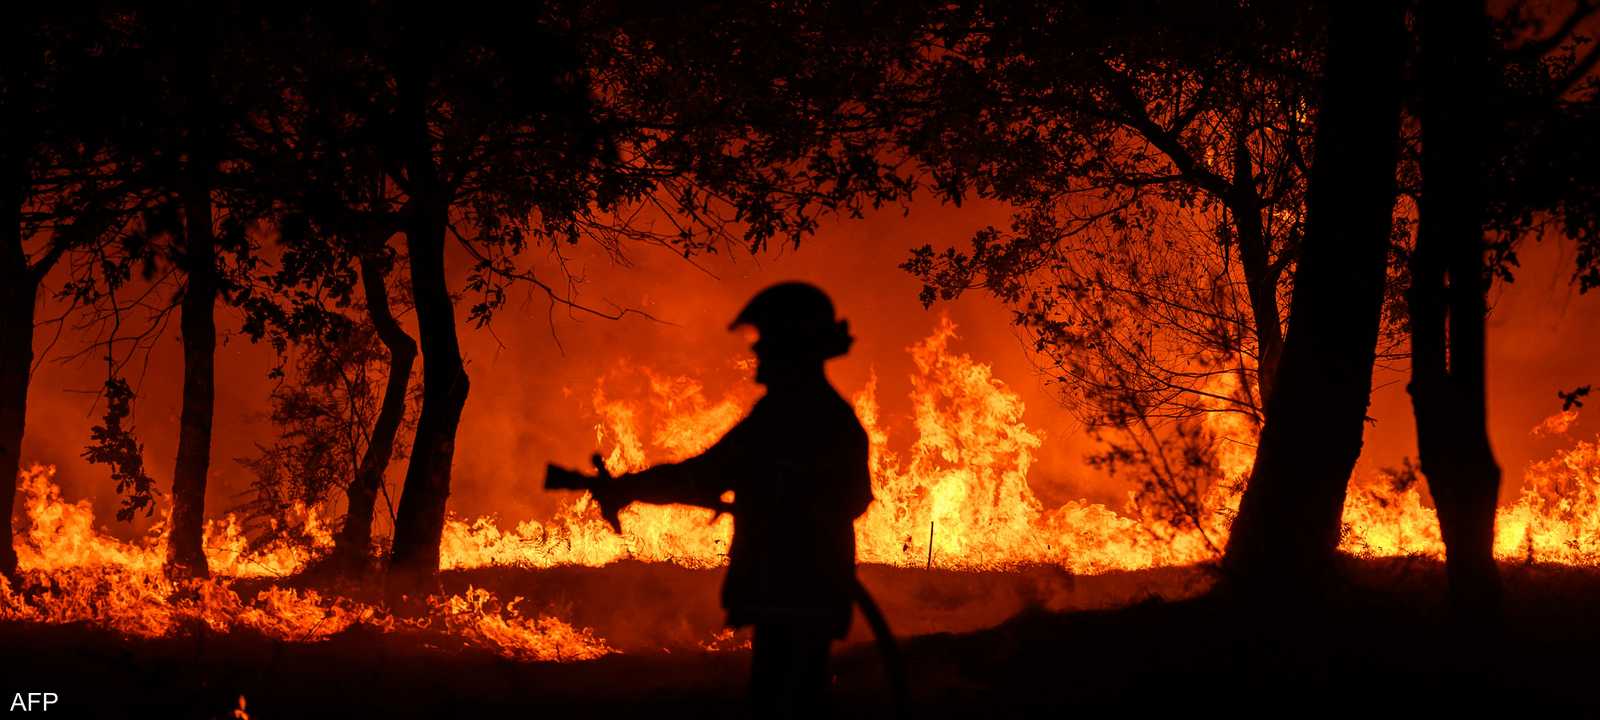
(324, 419)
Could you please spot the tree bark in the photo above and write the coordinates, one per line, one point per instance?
(18, 285)
(1448, 393)
(1288, 526)
(354, 542)
(419, 522)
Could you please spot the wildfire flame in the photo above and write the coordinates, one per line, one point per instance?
(80, 575)
(964, 476)
(954, 494)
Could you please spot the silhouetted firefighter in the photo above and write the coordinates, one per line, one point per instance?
(797, 468)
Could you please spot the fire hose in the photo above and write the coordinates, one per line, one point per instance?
(894, 667)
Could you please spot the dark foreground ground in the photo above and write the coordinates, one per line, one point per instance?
(1381, 645)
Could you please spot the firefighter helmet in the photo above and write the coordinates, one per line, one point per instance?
(796, 317)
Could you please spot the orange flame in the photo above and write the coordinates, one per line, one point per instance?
(963, 480)
(79, 575)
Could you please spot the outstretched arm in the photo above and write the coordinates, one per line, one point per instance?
(691, 482)
(700, 480)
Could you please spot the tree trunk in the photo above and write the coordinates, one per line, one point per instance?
(17, 287)
(185, 553)
(353, 545)
(1288, 526)
(419, 522)
(197, 322)
(1244, 203)
(1447, 387)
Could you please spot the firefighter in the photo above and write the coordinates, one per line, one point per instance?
(797, 468)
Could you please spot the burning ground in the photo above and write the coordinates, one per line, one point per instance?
(1200, 655)
(999, 595)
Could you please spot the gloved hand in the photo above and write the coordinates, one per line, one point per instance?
(607, 493)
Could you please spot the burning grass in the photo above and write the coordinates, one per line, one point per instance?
(1380, 645)
(953, 495)
(75, 574)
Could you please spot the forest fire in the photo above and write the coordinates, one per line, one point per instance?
(961, 482)
(833, 358)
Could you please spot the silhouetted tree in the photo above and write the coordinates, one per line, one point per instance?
(336, 387)
(1156, 157)
(329, 410)
(1486, 101)
(492, 140)
(336, 210)
(553, 124)
(1288, 525)
(1472, 172)
(1104, 136)
(1447, 320)
(58, 195)
(1106, 132)
(195, 183)
(355, 536)
(187, 87)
